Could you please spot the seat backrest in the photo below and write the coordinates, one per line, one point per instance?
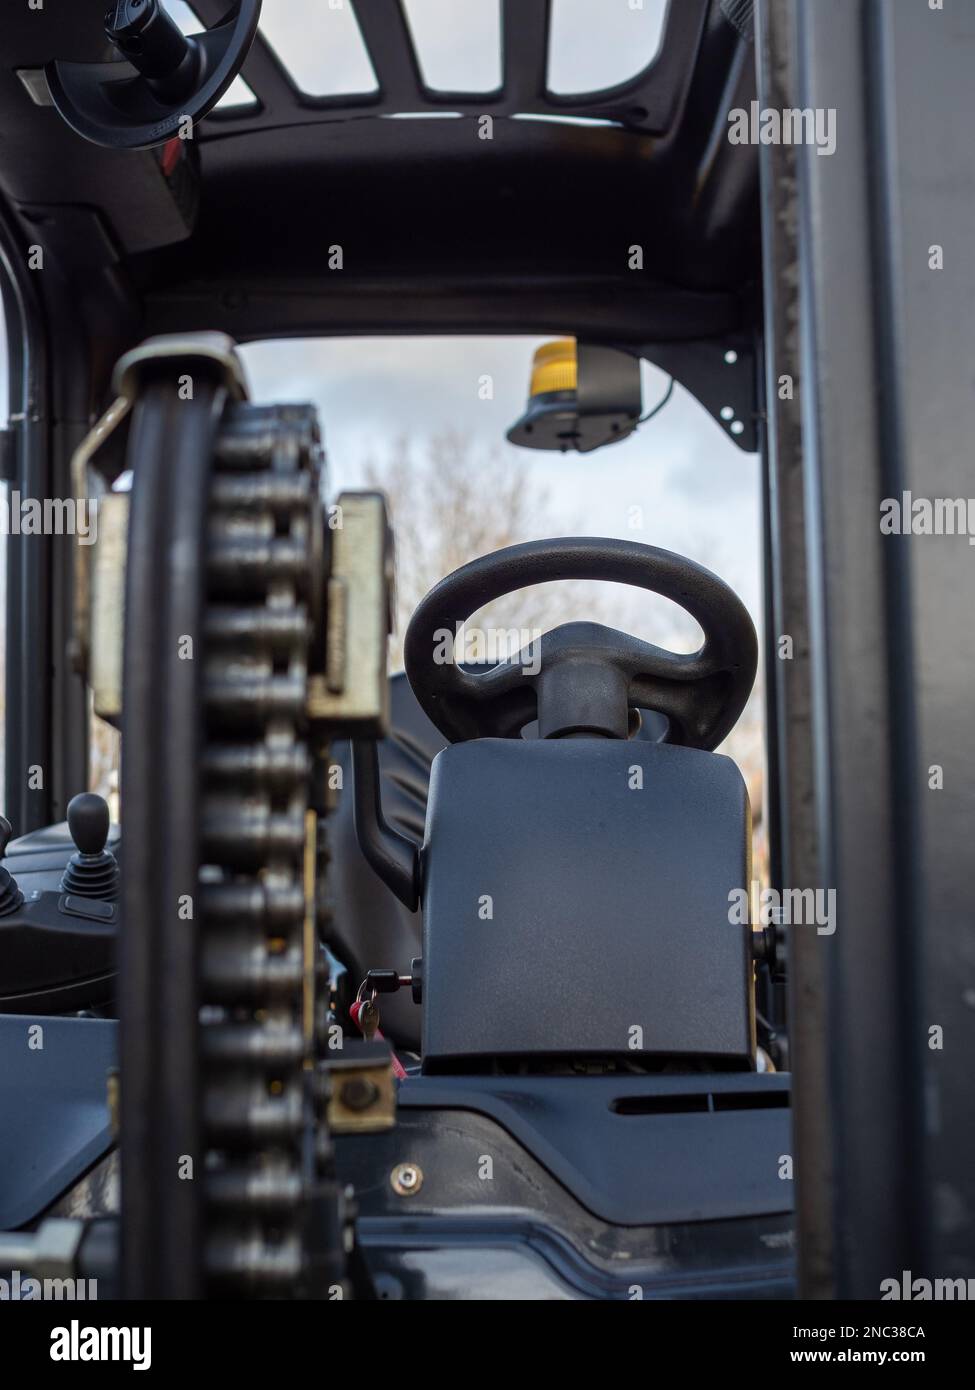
(581, 899)
(370, 928)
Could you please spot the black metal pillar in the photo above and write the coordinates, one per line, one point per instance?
(888, 342)
(28, 771)
(795, 858)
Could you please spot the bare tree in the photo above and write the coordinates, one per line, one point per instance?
(451, 503)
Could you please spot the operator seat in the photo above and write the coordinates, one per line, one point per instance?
(369, 927)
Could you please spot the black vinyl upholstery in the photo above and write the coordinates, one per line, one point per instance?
(371, 929)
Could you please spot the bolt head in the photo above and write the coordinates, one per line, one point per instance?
(406, 1179)
(358, 1093)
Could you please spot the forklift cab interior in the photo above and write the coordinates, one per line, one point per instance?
(578, 989)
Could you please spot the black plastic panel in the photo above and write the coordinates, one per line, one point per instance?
(639, 1150)
(54, 1108)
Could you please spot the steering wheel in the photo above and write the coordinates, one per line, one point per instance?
(583, 678)
(164, 79)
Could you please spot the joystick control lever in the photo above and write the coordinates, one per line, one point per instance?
(10, 895)
(92, 871)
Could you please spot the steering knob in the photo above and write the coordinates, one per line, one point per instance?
(153, 43)
(92, 871)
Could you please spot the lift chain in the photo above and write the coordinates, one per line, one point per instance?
(269, 1185)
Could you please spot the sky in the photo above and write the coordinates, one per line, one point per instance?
(594, 43)
(679, 476)
(696, 491)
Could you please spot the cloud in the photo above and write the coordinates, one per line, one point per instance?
(690, 488)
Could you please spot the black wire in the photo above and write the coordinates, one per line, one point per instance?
(659, 406)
